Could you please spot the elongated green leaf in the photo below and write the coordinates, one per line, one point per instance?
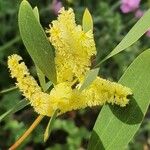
(116, 126)
(91, 75)
(41, 77)
(87, 21)
(87, 24)
(50, 126)
(35, 41)
(16, 108)
(132, 36)
(8, 90)
(40, 74)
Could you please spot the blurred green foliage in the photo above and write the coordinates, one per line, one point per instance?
(72, 130)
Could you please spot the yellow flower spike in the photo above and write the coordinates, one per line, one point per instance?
(102, 91)
(28, 85)
(63, 96)
(20, 70)
(25, 82)
(73, 47)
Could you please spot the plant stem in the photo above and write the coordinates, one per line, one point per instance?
(8, 90)
(27, 133)
(10, 43)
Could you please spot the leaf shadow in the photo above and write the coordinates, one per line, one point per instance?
(131, 114)
(98, 143)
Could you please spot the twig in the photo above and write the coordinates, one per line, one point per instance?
(27, 133)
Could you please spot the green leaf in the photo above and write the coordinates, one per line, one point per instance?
(8, 90)
(40, 74)
(35, 41)
(90, 77)
(87, 21)
(116, 126)
(41, 77)
(50, 125)
(132, 36)
(48, 85)
(16, 108)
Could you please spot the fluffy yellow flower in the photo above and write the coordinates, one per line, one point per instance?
(102, 91)
(25, 82)
(63, 96)
(73, 49)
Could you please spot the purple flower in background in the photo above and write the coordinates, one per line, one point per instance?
(133, 6)
(56, 6)
(148, 33)
(129, 5)
(139, 13)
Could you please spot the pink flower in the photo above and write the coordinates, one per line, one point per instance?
(148, 33)
(129, 5)
(56, 6)
(139, 13)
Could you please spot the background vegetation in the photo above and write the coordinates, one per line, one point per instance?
(72, 130)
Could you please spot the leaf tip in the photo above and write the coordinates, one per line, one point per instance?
(87, 21)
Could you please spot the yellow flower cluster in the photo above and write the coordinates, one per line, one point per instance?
(63, 96)
(27, 83)
(102, 91)
(73, 49)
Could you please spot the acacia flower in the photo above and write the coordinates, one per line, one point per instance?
(73, 51)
